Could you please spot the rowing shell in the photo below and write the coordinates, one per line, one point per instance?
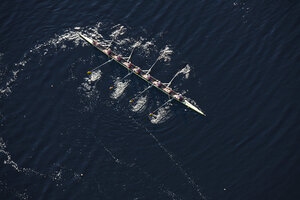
(140, 73)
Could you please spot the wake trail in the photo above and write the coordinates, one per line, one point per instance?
(55, 177)
(14, 165)
(161, 187)
(176, 163)
(13, 191)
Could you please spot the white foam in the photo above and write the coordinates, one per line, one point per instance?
(186, 71)
(161, 115)
(166, 53)
(58, 41)
(7, 89)
(119, 31)
(94, 76)
(147, 46)
(119, 88)
(136, 44)
(243, 9)
(89, 85)
(13, 164)
(139, 105)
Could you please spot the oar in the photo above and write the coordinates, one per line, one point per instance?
(177, 73)
(112, 40)
(111, 87)
(149, 70)
(160, 107)
(130, 54)
(128, 58)
(131, 100)
(99, 66)
(162, 53)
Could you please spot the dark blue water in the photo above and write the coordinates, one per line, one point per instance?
(65, 135)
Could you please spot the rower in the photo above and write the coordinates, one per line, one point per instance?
(167, 90)
(107, 51)
(118, 57)
(178, 97)
(147, 76)
(137, 70)
(157, 83)
(94, 42)
(128, 64)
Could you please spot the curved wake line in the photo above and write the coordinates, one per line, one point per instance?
(13, 191)
(13, 164)
(56, 176)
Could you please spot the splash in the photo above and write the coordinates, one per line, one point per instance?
(165, 54)
(89, 84)
(58, 40)
(243, 9)
(118, 32)
(119, 88)
(94, 76)
(147, 46)
(90, 93)
(62, 174)
(139, 104)
(186, 71)
(7, 88)
(161, 115)
(136, 44)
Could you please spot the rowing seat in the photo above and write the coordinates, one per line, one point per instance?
(178, 97)
(137, 70)
(157, 83)
(128, 64)
(147, 76)
(167, 90)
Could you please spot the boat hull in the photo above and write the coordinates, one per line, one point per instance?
(184, 101)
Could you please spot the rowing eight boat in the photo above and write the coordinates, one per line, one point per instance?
(143, 75)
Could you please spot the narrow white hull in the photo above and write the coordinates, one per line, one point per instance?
(151, 81)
